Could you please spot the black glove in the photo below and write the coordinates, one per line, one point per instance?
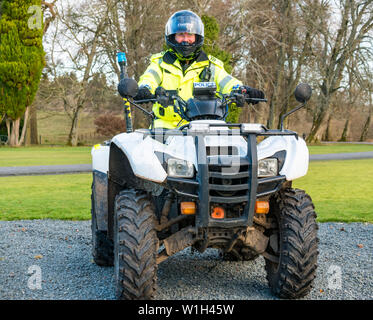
(163, 97)
(252, 93)
(239, 98)
(143, 94)
(127, 87)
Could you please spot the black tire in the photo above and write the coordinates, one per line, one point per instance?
(102, 247)
(293, 274)
(135, 246)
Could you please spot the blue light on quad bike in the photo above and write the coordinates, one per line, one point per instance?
(121, 56)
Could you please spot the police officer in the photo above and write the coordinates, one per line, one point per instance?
(183, 64)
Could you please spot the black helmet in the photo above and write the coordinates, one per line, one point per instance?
(184, 21)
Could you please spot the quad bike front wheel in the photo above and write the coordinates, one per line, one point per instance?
(135, 246)
(291, 255)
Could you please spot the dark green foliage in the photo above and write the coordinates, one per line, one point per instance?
(21, 57)
(211, 47)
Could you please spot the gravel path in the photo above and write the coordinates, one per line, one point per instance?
(60, 251)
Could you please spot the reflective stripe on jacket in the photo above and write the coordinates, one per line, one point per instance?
(166, 71)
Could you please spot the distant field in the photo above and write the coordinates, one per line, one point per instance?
(54, 128)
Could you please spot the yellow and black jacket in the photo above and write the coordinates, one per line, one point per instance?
(166, 71)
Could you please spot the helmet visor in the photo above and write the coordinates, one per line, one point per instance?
(184, 21)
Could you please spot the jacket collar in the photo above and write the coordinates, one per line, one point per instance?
(202, 57)
(170, 62)
(169, 57)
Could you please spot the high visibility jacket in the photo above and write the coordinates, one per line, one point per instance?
(166, 71)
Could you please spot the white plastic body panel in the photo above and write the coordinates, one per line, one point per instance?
(140, 152)
(100, 158)
(297, 155)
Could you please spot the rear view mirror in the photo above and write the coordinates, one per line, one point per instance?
(303, 92)
(127, 87)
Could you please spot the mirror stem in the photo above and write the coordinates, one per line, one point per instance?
(289, 113)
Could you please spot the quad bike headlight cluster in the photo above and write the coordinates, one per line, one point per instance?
(268, 167)
(180, 168)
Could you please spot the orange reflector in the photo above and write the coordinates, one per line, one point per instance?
(218, 213)
(188, 207)
(262, 207)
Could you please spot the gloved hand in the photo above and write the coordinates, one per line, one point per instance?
(143, 94)
(252, 93)
(239, 98)
(163, 97)
(238, 95)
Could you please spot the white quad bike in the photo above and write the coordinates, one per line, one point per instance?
(206, 184)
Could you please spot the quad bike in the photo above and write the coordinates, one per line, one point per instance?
(205, 184)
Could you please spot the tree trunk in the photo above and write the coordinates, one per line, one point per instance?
(14, 132)
(73, 135)
(345, 131)
(327, 136)
(33, 127)
(15, 140)
(319, 117)
(25, 121)
(365, 130)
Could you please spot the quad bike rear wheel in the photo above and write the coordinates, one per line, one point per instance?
(135, 246)
(291, 256)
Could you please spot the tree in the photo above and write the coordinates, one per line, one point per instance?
(137, 28)
(49, 15)
(336, 48)
(21, 62)
(211, 47)
(76, 35)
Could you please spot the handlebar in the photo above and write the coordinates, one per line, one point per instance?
(173, 96)
(167, 98)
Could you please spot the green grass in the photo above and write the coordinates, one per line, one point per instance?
(39, 156)
(341, 190)
(339, 148)
(65, 197)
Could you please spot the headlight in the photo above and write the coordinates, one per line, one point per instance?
(267, 167)
(180, 168)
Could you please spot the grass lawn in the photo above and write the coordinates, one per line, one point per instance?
(44, 155)
(341, 190)
(65, 197)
